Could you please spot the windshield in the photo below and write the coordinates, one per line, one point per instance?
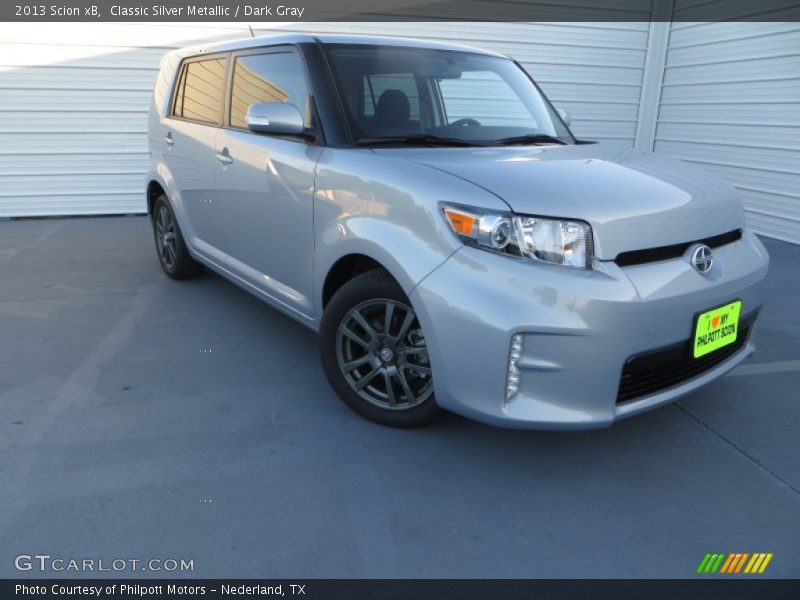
(422, 94)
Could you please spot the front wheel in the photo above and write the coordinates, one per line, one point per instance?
(374, 352)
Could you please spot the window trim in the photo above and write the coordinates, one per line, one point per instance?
(440, 105)
(373, 101)
(316, 130)
(180, 82)
(548, 103)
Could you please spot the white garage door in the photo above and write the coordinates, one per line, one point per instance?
(730, 102)
(74, 98)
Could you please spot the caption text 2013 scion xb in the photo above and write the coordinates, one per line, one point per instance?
(428, 211)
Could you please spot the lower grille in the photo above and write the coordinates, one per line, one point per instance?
(654, 371)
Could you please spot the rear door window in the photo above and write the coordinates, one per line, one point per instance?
(198, 95)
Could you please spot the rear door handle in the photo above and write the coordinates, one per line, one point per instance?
(224, 157)
(168, 139)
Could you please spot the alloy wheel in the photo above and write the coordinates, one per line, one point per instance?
(382, 354)
(165, 237)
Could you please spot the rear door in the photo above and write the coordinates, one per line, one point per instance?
(193, 124)
(265, 183)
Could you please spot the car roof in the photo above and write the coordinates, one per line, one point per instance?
(299, 38)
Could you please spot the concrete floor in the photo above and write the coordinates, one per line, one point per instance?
(121, 438)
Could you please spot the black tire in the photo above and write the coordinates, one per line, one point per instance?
(171, 249)
(400, 391)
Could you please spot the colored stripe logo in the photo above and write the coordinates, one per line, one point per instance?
(734, 562)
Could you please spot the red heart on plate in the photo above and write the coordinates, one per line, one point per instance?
(714, 322)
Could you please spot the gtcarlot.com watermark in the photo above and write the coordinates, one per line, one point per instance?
(45, 563)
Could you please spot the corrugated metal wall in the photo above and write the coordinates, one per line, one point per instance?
(74, 99)
(730, 102)
(73, 113)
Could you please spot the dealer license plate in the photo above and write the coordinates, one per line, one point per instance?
(716, 328)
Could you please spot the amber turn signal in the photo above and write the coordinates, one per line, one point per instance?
(462, 223)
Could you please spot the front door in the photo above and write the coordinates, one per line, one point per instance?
(265, 184)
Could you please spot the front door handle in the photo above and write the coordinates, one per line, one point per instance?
(224, 157)
(168, 139)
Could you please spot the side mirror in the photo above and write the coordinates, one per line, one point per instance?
(565, 116)
(275, 117)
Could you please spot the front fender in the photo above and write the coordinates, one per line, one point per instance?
(386, 208)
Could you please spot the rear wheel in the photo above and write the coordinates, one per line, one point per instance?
(374, 352)
(172, 251)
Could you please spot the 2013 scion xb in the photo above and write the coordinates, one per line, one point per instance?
(428, 211)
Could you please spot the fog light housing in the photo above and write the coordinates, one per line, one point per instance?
(513, 375)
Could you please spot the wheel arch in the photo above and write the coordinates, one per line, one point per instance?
(154, 190)
(356, 256)
(345, 269)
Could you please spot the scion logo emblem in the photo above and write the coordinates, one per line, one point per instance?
(701, 258)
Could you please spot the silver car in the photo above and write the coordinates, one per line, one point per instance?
(428, 211)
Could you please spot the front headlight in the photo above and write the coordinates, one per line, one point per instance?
(555, 241)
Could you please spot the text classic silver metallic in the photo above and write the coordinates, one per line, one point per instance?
(427, 210)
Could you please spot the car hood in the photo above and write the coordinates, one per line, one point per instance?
(632, 200)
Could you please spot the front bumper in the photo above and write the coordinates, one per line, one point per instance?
(579, 330)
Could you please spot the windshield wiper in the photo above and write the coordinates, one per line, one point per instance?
(414, 139)
(534, 138)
